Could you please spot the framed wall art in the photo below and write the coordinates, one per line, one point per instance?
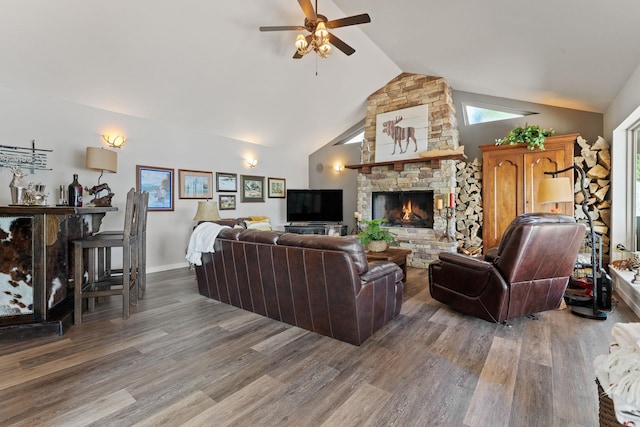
(195, 184)
(226, 202)
(226, 182)
(402, 134)
(158, 182)
(277, 187)
(252, 188)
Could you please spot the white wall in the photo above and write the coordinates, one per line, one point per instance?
(623, 105)
(69, 128)
(619, 117)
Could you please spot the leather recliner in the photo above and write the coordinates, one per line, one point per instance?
(527, 273)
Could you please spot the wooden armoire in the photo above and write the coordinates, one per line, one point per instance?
(510, 178)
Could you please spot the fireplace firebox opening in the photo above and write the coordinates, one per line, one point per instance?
(403, 208)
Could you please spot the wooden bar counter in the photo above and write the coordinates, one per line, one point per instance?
(36, 266)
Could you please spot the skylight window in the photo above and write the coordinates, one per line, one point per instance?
(475, 114)
(353, 135)
(355, 139)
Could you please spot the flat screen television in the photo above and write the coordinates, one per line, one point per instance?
(314, 205)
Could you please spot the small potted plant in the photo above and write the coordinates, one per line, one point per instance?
(532, 135)
(374, 238)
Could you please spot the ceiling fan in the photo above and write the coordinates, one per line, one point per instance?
(320, 39)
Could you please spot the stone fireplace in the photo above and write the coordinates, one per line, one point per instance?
(423, 229)
(413, 209)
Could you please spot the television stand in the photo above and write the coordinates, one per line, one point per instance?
(313, 228)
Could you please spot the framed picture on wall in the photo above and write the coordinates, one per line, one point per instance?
(226, 182)
(226, 202)
(252, 188)
(195, 184)
(402, 134)
(158, 182)
(277, 187)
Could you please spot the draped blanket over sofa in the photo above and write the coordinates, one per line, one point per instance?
(320, 283)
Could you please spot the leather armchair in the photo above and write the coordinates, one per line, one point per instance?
(527, 273)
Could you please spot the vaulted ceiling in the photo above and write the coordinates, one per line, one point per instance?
(204, 65)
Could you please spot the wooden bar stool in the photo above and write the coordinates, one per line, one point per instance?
(98, 285)
(105, 267)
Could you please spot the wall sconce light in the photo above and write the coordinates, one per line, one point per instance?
(251, 162)
(338, 168)
(115, 141)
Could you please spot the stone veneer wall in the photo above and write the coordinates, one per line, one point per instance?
(405, 91)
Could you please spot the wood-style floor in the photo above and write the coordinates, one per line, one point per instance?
(183, 359)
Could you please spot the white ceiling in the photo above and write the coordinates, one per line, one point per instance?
(204, 65)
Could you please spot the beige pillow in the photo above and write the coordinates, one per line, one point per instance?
(258, 225)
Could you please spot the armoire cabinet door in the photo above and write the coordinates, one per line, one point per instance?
(511, 178)
(503, 198)
(536, 164)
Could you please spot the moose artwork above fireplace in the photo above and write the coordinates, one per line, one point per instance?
(402, 134)
(403, 208)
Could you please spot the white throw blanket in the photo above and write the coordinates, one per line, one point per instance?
(202, 240)
(619, 371)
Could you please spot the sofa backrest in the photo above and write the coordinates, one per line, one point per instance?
(259, 236)
(348, 244)
(230, 233)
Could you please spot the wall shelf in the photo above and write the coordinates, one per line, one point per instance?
(398, 165)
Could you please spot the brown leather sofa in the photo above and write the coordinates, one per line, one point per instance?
(320, 283)
(527, 273)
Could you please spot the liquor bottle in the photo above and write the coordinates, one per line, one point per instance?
(75, 192)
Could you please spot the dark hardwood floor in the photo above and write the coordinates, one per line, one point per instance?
(183, 359)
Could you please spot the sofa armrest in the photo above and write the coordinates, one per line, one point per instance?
(379, 269)
(464, 261)
(491, 255)
(464, 274)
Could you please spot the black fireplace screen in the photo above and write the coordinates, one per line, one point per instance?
(404, 208)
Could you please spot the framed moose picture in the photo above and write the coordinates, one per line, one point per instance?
(402, 134)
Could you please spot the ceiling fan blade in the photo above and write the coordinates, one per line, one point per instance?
(282, 28)
(351, 20)
(348, 50)
(307, 8)
(297, 55)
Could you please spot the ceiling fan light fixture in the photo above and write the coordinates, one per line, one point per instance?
(324, 50)
(301, 43)
(321, 31)
(319, 39)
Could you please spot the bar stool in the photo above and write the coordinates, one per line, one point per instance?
(105, 268)
(100, 285)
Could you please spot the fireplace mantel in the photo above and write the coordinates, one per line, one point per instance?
(398, 165)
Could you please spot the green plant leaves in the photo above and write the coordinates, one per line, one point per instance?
(532, 135)
(374, 232)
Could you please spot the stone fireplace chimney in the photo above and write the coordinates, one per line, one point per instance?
(405, 91)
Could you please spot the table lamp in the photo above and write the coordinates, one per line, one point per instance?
(207, 211)
(102, 160)
(559, 190)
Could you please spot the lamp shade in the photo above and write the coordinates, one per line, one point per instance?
(207, 211)
(555, 190)
(101, 159)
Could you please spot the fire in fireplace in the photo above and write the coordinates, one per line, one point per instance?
(404, 208)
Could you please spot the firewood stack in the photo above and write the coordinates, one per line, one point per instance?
(595, 160)
(469, 206)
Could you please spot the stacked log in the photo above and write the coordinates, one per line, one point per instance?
(469, 206)
(595, 160)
